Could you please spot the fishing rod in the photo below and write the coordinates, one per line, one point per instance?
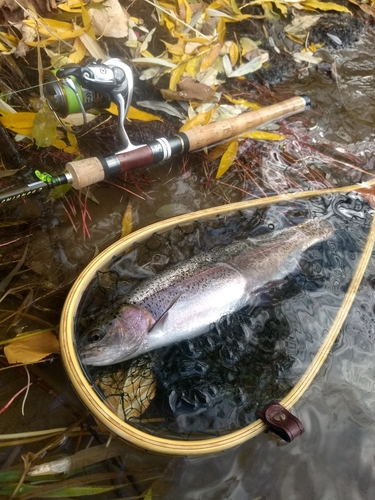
(75, 88)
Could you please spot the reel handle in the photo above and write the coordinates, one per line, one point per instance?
(91, 170)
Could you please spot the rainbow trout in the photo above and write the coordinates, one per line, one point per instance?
(184, 300)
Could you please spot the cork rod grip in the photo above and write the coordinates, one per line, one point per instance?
(85, 172)
(232, 127)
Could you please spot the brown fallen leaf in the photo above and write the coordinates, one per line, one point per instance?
(190, 89)
(368, 193)
(32, 349)
(365, 7)
(112, 21)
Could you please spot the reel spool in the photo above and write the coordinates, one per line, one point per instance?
(66, 96)
(76, 89)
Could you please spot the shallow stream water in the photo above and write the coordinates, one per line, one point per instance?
(334, 458)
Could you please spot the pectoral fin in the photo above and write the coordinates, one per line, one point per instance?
(159, 322)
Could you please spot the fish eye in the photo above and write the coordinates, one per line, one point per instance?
(96, 335)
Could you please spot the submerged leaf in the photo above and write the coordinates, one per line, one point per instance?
(82, 458)
(263, 135)
(32, 349)
(227, 159)
(172, 209)
(307, 57)
(127, 221)
(59, 191)
(7, 173)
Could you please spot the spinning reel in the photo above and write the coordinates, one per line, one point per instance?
(76, 89)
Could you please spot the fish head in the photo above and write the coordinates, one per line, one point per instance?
(116, 337)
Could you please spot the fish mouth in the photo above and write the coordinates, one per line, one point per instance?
(97, 358)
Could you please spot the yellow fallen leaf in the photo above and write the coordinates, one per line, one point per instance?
(48, 27)
(66, 7)
(86, 19)
(221, 30)
(168, 22)
(269, 12)
(233, 53)
(66, 35)
(209, 59)
(196, 121)
(127, 221)
(218, 151)
(188, 15)
(60, 144)
(295, 38)
(80, 51)
(193, 65)
(11, 38)
(234, 6)
(251, 105)
(21, 123)
(177, 49)
(315, 4)
(176, 75)
(32, 349)
(247, 45)
(146, 53)
(227, 159)
(263, 135)
(135, 114)
(282, 8)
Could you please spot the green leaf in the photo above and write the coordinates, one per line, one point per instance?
(59, 191)
(44, 128)
(77, 491)
(148, 495)
(13, 475)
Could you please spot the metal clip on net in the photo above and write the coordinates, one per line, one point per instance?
(76, 89)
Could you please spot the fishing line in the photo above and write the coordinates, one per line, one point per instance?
(2, 95)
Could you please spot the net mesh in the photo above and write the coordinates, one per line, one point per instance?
(217, 382)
